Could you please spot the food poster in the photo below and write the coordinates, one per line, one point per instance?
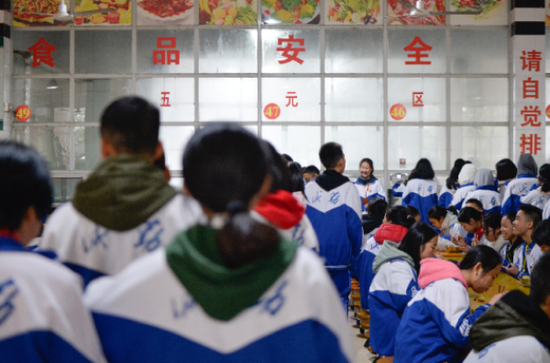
(291, 11)
(227, 12)
(21, 8)
(493, 12)
(353, 12)
(165, 12)
(398, 14)
(115, 12)
(547, 3)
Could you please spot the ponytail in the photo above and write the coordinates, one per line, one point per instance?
(488, 257)
(544, 177)
(400, 215)
(468, 213)
(436, 212)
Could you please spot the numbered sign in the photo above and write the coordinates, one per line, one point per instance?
(398, 111)
(272, 111)
(23, 113)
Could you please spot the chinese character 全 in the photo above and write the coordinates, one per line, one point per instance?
(422, 47)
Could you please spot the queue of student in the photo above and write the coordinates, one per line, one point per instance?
(228, 270)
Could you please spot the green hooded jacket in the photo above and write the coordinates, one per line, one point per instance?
(390, 251)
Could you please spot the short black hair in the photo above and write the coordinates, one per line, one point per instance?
(540, 280)
(541, 234)
(296, 177)
(377, 207)
(312, 169)
(400, 215)
(413, 212)
(330, 154)
(506, 169)
(510, 215)
(131, 125)
(532, 214)
(492, 220)
(436, 212)
(474, 201)
(287, 157)
(24, 182)
(468, 213)
(422, 170)
(544, 177)
(281, 178)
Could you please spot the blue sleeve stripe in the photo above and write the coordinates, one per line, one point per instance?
(87, 274)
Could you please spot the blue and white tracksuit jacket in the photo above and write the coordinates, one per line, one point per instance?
(364, 269)
(460, 195)
(393, 286)
(536, 197)
(42, 317)
(436, 324)
(516, 189)
(488, 196)
(421, 194)
(445, 196)
(145, 314)
(336, 218)
(372, 190)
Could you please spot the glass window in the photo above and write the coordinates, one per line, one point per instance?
(165, 51)
(48, 99)
(353, 51)
(354, 99)
(93, 95)
(359, 142)
(228, 51)
(64, 188)
(416, 51)
(479, 99)
(173, 96)
(41, 52)
(482, 145)
(423, 99)
(52, 143)
(415, 142)
(103, 51)
(174, 139)
(298, 99)
(300, 142)
(298, 51)
(87, 147)
(228, 99)
(488, 54)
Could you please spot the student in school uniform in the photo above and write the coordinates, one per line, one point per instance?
(485, 191)
(367, 184)
(451, 184)
(42, 316)
(511, 252)
(492, 235)
(446, 221)
(539, 194)
(527, 219)
(230, 290)
(125, 209)
(421, 189)
(466, 181)
(506, 171)
(541, 236)
(471, 221)
(519, 187)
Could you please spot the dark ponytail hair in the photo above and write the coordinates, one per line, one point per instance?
(277, 168)
(417, 236)
(224, 167)
(544, 177)
(468, 213)
(400, 215)
(452, 180)
(436, 212)
(422, 170)
(492, 220)
(488, 257)
(296, 177)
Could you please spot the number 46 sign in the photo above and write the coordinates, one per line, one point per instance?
(23, 113)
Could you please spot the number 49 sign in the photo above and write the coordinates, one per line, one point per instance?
(23, 113)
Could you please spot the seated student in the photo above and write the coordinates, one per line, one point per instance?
(471, 220)
(516, 328)
(376, 211)
(492, 235)
(527, 219)
(511, 252)
(447, 223)
(413, 212)
(229, 291)
(42, 317)
(472, 203)
(517, 188)
(539, 194)
(485, 191)
(436, 322)
(421, 189)
(466, 181)
(395, 283)
(506, 171)
(367, 184)
(125, 209)
(310, 173)
(451, 184)
(334, 210)
(395, 225)
(541, 236)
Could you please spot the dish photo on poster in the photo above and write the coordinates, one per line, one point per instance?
(400, 15)
(493, 12)
(117, 12)
(227, 12)
(22, 8)
(291, 11)
(353, 11)
(165, 12)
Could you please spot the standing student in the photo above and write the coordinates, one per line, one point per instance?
(42, 317)
(485, 191)
(125, 209)
(436, 322)
(539, 194)
(232, 290)
(310, 173)
(334, 209)
(451, 184)
(516, 328)
(492, 235)
(506, 172)
(466, 181)
(421, 189)
(525, 223)
(517, 188)
(367, 184)
(395, 283)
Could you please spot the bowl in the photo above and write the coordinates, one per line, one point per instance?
(453, 249)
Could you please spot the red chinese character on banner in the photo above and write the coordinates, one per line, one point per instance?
(165, 99)
(530, 144)
(289, 52)
(531, 115)
(531, 60)
(42, 53)
(166, 56)
(530, 88)
(291, 96)
(422, 47)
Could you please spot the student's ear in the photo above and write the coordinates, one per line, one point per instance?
(159, 150)
(107, 149)
(442, 219)
(478, 269)
(530, 225)
(472, 222)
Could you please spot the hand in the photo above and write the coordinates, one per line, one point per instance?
(511, 269)
(457, 240)
(475, 242)
(497, 297)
